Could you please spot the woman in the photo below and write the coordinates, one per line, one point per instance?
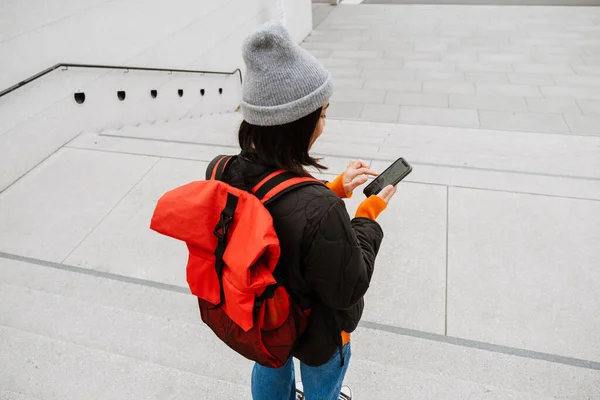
(327, 259)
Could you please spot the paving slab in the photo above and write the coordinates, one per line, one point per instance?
(410, 384)
(135, 250)
(345, 72)
(530, 79)
(417, 99)
(488, 102)
(381, 112)
(430, 65)
(386, 63)
(489, 369)
(361, 54)
(521, 250)
(531, 68)
(339, 62)
(575, 92)
(504, 181)
(14, 163)
(358, 96)
(407, 55)
(344, 110)
(587, 69)
(351, 83)
(189, 347)
(558, 106)
(100, 289)
(394, 85)
(517, 51)
(584, 124)
(51, 210)
(391, 74)
(485, 67)
(440, 76)
(589, 107)
(486, 77)
(7, 395)
(577, 80)
(39, 366)
(132, 145)
(460, 57)
(439, 116)
(330, 45)
(408, 286)
(508, 90)
(449, 87)
(523, 121)
(507, 151)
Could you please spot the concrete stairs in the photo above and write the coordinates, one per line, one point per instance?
(484, 288)
(70, 335)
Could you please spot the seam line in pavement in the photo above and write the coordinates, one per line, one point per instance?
(447, 233)
(36, 165)
(333, 175)
(99, 274)
(513, 351)
(474, 344)
(111, 210)
(507, 171)
(99, 349)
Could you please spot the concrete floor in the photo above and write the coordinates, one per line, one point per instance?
(485, 288)
(510, 68)
(487, 282)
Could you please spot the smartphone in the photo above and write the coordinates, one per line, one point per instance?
(391, 176)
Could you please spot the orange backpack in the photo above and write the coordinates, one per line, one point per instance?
(233, 252)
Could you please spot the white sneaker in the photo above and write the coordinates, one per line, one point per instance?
(345, 394)
(299, 391)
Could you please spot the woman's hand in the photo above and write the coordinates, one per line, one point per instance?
(356, 175)
(387, 193)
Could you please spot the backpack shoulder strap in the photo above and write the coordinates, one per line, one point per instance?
(279, 183)
(217, 167)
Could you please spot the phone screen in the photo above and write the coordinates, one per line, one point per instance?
(391, 176)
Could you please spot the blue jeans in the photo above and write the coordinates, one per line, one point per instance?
(320, 383)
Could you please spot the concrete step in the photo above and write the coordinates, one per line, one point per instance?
(8, 395)
(148, 342)
(446, 227)
(527, 237)
(536, 153)
(51, 369)
(555, 165)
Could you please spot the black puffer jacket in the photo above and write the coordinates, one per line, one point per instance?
(326, 259)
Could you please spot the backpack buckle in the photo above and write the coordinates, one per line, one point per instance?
(226, 217)
(222, 227)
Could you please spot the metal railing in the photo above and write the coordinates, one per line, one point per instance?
(118, 67)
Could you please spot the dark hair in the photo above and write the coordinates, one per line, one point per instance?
(282, 146)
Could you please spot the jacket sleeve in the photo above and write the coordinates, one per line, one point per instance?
(340, 257)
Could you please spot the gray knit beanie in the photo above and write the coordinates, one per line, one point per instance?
(283, 82)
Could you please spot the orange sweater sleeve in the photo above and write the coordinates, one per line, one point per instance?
(337, 186)
(371, 208)
(345, 337)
